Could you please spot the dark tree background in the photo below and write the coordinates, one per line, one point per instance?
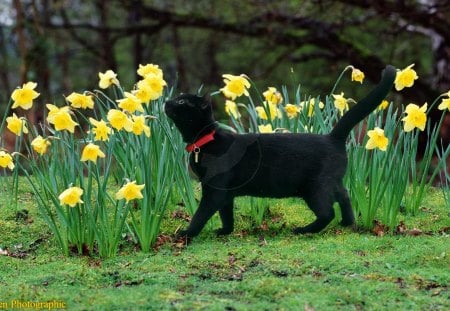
(63, 44)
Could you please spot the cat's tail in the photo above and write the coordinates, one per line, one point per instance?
(365, 106)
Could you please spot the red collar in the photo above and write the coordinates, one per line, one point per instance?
(202, 141)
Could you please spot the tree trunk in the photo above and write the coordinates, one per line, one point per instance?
(20, 30)
(108, 56)
(134, 19)
(4, 64)
(39, 60)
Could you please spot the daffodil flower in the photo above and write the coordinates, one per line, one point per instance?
(384, 104)
(377, 139)
(357, 75)
(235, 86)
(119, 120)
(101, 130)
(82, 101)
(6, 160)
(16, 125)
(153, 85)
(291, 111)
(273, 111)
(23, 97)
(54, 110)
(415, 117)
(265, 128)
(130, 191)
(91, 152)
(272, 96)
(107, 79)
(40, 144)
(231, 109)
(62, 120)
(340, 102)
(130, 103)
(145, 70)
(311, 104)
(144, 93)
(405, 78)
(71, 196)
(445, 104)
(139, 126)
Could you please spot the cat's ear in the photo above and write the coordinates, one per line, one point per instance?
(205, 101)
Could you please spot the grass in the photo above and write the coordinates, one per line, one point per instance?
(264, 268)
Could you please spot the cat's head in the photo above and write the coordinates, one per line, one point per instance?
(191, 115)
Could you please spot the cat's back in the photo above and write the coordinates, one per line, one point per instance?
(300, 144)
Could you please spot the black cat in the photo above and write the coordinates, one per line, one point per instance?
(279, 165)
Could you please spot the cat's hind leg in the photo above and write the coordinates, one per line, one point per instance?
(321, 204)
(227, 217)
(342, 197)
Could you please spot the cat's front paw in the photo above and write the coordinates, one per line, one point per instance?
(223, 231)
(186, 234)
(181, 239)
(182, 234)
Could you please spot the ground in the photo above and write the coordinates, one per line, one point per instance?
(255, 268)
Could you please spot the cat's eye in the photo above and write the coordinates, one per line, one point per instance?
(181, 102)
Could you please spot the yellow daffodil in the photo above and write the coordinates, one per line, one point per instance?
(415, 117)
(273, 111)
(291, 111)
(405, 78)
(139, 126)
(6, 160)
(265, 128)
(130, 103)
(261, 113)
(384, 104)
(62, 120)
(310, 105)
(71, 196)
(54, 110)
(143, 92)
(91, 152)
(340, 102)
(445, 104)
(357, 75)
(272, 96)
(148, 69)
(16, 125)
(82, 101)
(231, 109)
(153, 86)
(107, 79)
(40, 144)
(23, 97)
(130, 191)
(119, 120)
(101, 130)
(235, 86)
(377, 139)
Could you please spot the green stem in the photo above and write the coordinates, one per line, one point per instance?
(339, 79)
